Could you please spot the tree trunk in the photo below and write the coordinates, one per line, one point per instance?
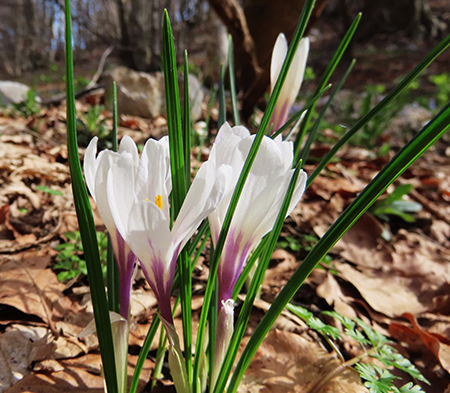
(413, 17)
(233, 17)
(125, 54)
(266, 19)
(254, 29)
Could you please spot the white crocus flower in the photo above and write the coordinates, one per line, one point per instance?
(255, 214)
(139, 203)
(293, 81)
(132, 195)
(96, 169)
(260, 201)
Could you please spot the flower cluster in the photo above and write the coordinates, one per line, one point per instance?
(132, 196)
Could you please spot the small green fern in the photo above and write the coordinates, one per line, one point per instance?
(375, 345)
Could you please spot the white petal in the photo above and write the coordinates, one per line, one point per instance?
(204, 195)
(150, 238)
(127, 145)
(268, 162)
(257, 209)
(121, 192)
(226, 141)
(153, 176)
(299, 190)
(90, 165)
(287, 152)
(295, 74)
(278, 56)
(226, 131)
(105, 160)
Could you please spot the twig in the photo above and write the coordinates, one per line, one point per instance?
(427, 204)
(101, 65)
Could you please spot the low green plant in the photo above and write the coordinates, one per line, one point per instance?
(81, 82)
(290, 242)
(371, 133)
(30, 106)
(442, 83)
(91, 124)
(374, 345)
(307, 244)
(309, 74)
(395, 205)
(70, 262)
(49, 190)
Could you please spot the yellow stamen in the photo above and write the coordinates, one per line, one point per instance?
(159, 201)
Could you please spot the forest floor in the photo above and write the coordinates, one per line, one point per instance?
(392, 273)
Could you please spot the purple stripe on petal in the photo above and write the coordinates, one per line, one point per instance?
(125, 261)
(125, 284)
(160, 289)
(279, 116)
(232, 263)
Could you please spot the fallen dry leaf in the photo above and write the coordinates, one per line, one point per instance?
(287, 362)
(436, 343)
(326, 187)
(418, 256)
(386, 293)
(79, 375)
(363, 244)
(331, 291)
(19, 348)
(27, 285)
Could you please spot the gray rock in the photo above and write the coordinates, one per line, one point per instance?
(143, 94)
(12, 93)
(138, 93)
(413, 117)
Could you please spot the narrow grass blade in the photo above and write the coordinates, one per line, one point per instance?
(144, 352)
(202, 231)
(383, 104)
(244, 314)
(248, 267)
(187, 125)
(312, 101)
(186, 309)
(177, 148)
(212, 99)
(232, 75)
(112, 270)
(212, 327)
(214, 263)
(313, 133)
(324, 81)
(298, 35)
(222, 101)
(159, 360)
(115, 119)
(173, 118)
(86, 223)
(399, 163)
(201, 247)
(112, 279)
